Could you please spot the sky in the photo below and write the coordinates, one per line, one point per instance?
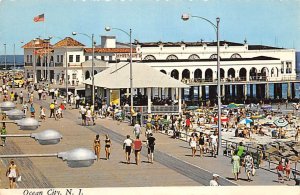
(267, 22)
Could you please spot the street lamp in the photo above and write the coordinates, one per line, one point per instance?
(93, 56)
(66, 58)
(186, 17)
(47, 137)
(5, 56)
(79, 157)
(131, 83)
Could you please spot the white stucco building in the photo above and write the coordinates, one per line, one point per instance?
(246, 70)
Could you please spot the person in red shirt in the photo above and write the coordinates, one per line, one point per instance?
(62, 107)
(137, 149)
(280, 172)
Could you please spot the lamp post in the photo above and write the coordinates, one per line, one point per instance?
(93, 56)
(66, 58)
(5, 56)
(130, 76)
(186, 17)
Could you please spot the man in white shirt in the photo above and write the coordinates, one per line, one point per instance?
(214, 181)
(127, 145)
(137, 130)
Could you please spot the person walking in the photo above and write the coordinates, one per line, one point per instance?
(52, 108)
(214, 144)
(214, 181)
(280, 172)
(137, 149)
(107, 146)
(201, 143)
(21, 96)
(77, 101)
(3, 132)
(150, 144)
(32, 111)
(287, 168)
(193, 144)
(249, 165)
(97, 146)
(235, 165)
(42, 113)
(137, 130)
(12, 173)
(127, 145)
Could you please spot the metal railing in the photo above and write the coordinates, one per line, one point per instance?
(227, 146)
(28, 64)
(58, 64)
(154, 109)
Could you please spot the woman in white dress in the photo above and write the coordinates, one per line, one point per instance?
(12, 173)
(193, 144)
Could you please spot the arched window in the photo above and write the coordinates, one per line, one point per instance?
(213, 56)
(87, 74)
(149, 57)
(172, 57)
(163, 71)
(194, 57)
(236, 55)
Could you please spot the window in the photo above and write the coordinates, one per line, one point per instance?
(77, 58)
(102, 58)
(27, 58)
(70, 58)
(61, 58)
(74, 76)
(86, 58)
(57, 58)
(149, 57)
(194, 57)
(288, 67)
(30, 58)
(236, 55)
(172, 57)
(213, 56)
(282, 67)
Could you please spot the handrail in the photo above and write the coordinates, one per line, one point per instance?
(248, 148)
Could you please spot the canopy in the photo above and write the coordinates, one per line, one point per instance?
(281, 122)
(117, 77)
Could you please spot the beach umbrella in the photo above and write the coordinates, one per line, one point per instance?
(257, 116)
(232, 106)
(281, 122)
(224, 119)
(246, 121)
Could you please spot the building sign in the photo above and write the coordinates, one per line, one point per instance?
(115, 97)
(136, 56)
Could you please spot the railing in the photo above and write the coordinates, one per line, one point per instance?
(58, 64)
(239, 79)
(154, 109)
(227, 145)
(28, 64)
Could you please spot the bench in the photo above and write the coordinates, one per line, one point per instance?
(296, 175)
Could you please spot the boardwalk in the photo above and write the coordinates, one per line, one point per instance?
(173, 164)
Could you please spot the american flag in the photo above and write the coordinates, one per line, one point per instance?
(39, 18)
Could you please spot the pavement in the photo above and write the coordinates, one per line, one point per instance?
(173, 164)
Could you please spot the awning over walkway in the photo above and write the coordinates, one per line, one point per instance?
(117, 77)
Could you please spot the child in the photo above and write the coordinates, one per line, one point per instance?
(280, 172)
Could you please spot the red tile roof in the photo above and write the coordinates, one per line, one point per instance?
(43, 51)
(110, 50)
(68, 42)
(37, 43)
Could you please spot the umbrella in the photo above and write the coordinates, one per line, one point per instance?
(224, 119)
(246, 121)
(232, 105)
(281, 122)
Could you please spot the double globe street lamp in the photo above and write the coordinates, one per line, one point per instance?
(186, 17)
(79, 157)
